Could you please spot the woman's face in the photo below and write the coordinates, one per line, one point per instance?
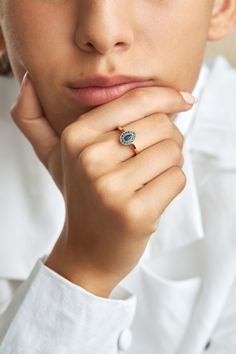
(58, 41)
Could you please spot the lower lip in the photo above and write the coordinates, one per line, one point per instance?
(95, 95)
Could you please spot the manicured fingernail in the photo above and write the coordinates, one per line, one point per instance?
(190, 99)
(25, 80)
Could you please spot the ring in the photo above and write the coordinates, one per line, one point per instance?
(127, 137)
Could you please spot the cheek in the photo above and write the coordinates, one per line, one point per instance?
(39, 48)
(23, 39)
(36, 42)
(179, 43)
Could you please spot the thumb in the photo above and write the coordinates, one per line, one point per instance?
(28, 115)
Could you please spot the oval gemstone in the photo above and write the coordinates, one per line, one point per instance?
(128, 137)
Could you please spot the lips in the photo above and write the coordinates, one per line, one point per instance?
(105, 81)
(99, 90)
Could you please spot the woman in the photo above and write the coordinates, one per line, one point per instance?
(106, 279)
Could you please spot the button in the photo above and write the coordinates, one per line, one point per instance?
(207, 346)
(125, 340)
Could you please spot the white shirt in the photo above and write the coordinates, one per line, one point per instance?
(179, 299)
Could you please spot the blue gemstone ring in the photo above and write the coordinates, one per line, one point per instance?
(127, 137)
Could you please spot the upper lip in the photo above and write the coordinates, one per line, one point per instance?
(105, 81)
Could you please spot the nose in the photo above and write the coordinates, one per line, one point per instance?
(103, 26)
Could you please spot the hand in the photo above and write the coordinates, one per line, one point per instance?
(113, 199)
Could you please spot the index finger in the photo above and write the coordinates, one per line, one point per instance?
(134, 105)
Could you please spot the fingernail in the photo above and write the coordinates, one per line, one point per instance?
(25, 80)
(188, 97)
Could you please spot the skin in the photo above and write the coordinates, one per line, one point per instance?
(49, 44)
(58, 41)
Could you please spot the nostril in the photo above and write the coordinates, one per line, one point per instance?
(90, 45)
(120, 44)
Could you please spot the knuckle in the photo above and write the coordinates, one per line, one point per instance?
(138, 218)
(67, 137)
(127, 211)
(13, 112)
(181, 139)
(174, 150)
(177, 135)
(88, 158)
(132, 217)
(170, 130)
(161, 118)
(107, 189)
(139, 94)
(132, 211)
(71, 139)
(166, 124)
(164, 119)
(179, 177)
(72, 132)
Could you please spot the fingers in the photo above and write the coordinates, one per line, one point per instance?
(149, 131)
(28, 115)
(107, 153)
(159, 193)
(134, 105)
(150, 163)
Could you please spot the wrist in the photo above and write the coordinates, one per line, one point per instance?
(63, 261)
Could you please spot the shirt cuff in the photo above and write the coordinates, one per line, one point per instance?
(56, 316)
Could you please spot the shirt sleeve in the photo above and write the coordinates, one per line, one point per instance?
(50, 314)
